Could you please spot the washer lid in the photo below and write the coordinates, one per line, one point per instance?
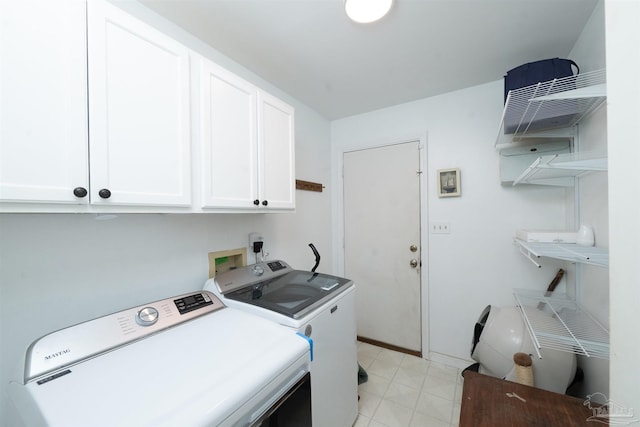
(197, 373)
(275, 286)
(293, 294)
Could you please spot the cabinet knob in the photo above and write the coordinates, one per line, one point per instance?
(80, 192)
(256, 202)
(104, 193)
(265, 203)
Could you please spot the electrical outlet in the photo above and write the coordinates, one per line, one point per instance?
(440, 227)
(254, 237)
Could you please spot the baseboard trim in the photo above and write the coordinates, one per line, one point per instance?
(389, 346)
(450, 360)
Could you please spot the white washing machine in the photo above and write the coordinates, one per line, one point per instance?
(316, 305)
(183, 361)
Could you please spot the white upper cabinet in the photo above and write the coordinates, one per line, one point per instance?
(139, 124)
(95, 117)
(276, 157)
(43, 102)
(228, 132)
(247, 144)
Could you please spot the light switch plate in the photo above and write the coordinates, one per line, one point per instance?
(440, 227)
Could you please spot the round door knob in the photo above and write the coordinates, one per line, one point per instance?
(147, 316)
(104, 193)
(256, 202)
(413, 263)
(80, 192)
(413, 248)
(265, 203)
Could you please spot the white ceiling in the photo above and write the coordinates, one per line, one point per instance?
(311, 50)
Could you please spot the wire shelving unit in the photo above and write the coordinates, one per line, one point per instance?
(552, 108)
(560, 323)
(565, 251)
(561, 169)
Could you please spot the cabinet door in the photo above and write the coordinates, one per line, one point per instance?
(276, 152)
(228, 131)
(43, 101)
(139, 129)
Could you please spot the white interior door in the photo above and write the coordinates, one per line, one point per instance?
(382, 228)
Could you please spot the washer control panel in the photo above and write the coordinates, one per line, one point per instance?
(90, 339)
(232, 280)
(276, 265)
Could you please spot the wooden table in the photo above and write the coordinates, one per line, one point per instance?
(485, 403)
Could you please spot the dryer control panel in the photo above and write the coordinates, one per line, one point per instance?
(71, 345)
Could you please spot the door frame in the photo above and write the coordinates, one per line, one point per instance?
(338, 220)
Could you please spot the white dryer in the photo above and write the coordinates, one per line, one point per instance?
(183, 361)
(316, 305)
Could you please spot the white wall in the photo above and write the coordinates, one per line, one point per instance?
(623, 56)
(60, 269)
(463, 276)
(476, 265)
(592, 290)
(592, 203)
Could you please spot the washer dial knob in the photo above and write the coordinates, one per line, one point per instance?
(147, 316)
(258, 270)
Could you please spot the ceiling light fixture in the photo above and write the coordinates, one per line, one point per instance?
(365, 11)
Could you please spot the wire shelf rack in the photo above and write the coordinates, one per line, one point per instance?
(561, 169)
(565, 251)
(560, 323)
(555, 104)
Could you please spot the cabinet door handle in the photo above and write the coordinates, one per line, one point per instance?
(80, 192)
(265, 203)
(104, 193)
(256, 202)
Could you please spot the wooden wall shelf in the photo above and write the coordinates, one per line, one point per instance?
(309, 186)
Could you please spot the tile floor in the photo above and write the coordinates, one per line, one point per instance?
(406, 391)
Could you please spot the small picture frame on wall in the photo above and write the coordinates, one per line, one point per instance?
(449, 182)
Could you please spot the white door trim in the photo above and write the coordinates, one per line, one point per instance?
(338, 220)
